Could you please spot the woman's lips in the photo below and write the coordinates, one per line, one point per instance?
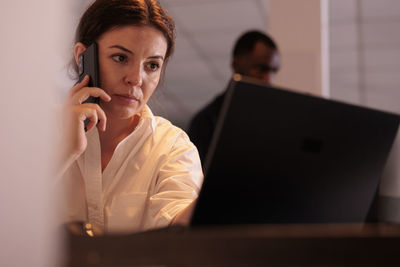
(127, 99)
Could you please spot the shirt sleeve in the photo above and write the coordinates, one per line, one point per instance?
(178, 183)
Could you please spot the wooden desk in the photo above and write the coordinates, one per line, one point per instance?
(252, 245)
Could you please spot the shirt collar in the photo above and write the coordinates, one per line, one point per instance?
(148, 117)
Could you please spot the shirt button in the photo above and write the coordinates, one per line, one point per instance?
(95, 206)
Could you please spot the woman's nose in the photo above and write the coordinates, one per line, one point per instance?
(134, 76)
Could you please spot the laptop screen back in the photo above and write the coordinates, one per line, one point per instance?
(283, 157)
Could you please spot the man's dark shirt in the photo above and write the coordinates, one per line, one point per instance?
(202, 125)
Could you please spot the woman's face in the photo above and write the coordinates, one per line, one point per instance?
(131, 60)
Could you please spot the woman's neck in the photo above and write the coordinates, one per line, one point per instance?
(117, 128)
(116, 131)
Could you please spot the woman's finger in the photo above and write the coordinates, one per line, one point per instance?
(79, 86)
(101, 116)
(87, 111)
(82, 95)
(94, 113)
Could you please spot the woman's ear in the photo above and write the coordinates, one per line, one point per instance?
(78, 50)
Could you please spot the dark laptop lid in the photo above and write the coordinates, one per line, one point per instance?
(283, 157)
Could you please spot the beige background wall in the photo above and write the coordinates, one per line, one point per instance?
(301, 30)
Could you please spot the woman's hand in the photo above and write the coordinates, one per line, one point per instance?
(75, 113)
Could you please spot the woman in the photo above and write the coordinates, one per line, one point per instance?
(131, 171)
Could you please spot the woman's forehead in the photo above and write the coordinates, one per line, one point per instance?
(134, 37)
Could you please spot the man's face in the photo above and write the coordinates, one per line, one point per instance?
(262, 63)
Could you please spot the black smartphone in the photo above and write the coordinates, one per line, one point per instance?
(89, 64)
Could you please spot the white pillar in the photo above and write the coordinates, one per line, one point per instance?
(301, 31)
(30, 40)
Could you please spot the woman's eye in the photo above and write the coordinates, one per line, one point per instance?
(153, 66)
(119, 58)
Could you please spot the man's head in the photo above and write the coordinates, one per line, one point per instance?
(256, 55)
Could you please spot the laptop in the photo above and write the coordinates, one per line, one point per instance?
(278, 156)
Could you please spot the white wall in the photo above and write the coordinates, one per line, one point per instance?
(365, 52)
(31, 35)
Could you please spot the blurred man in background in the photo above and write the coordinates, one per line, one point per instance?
(256, 55)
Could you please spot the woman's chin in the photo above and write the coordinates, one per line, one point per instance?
(125, 112)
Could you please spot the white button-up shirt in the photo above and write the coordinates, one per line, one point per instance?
(153, 174)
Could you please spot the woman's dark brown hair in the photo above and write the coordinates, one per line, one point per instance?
(104, 15)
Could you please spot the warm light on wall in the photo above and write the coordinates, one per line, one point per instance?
(31, 37)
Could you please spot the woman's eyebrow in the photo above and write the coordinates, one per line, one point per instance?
(157, 57)
(130, 52)
(122, 48)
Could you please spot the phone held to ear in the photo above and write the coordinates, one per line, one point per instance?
(89, 65)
